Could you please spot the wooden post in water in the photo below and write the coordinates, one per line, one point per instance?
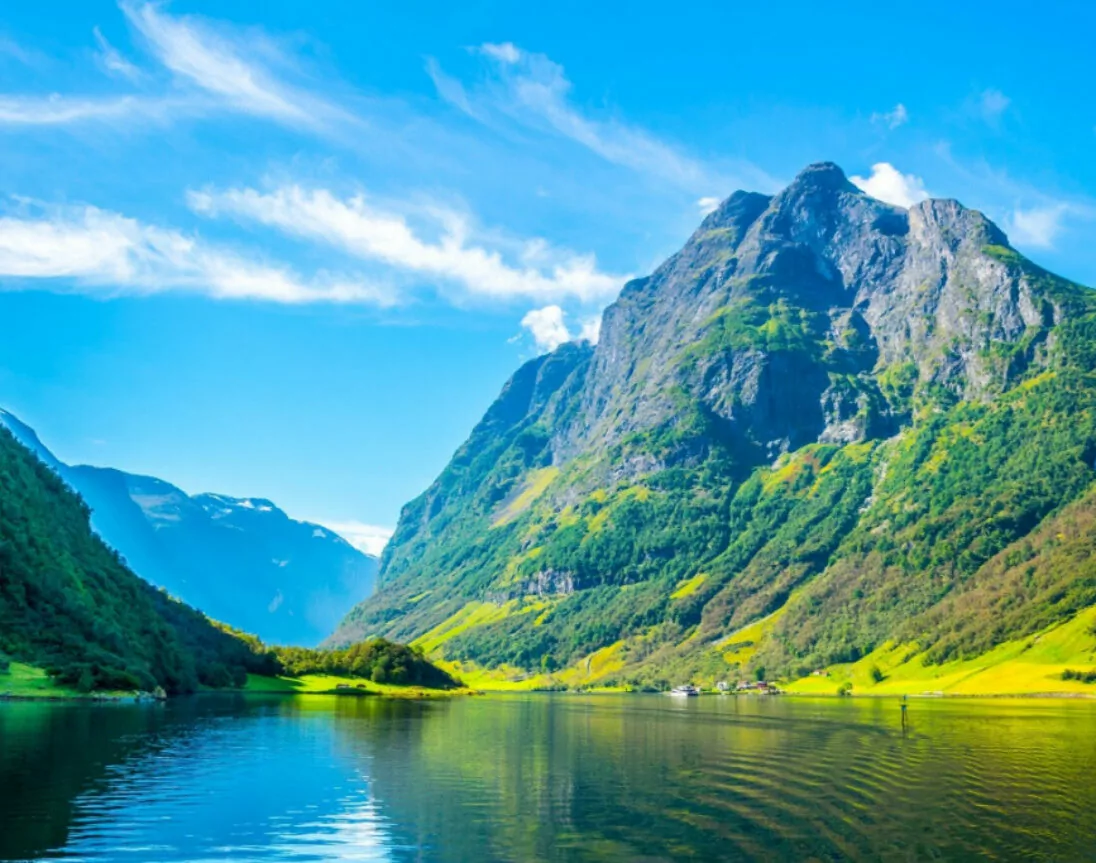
(905, 718)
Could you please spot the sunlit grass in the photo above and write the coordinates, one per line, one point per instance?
(689, 586)
(536, 481)
(27, 681)
(326, 684)
(1027, 666)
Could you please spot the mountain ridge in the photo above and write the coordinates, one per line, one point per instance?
(240, 560)
(70, 606)
(823, 407)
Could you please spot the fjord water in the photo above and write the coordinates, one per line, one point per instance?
(539, 777)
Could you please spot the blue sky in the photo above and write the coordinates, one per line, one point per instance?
(293, 250)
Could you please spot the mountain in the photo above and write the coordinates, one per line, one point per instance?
(825, 426)
(68, 603)
(240, 560)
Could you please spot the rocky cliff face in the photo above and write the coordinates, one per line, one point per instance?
(730, 438)
(779, 313)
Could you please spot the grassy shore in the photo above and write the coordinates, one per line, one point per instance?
(326, 684)
(1024, 667)
(27, 681)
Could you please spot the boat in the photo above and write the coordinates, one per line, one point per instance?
(684, 691)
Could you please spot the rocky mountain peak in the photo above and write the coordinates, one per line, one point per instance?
(954, 223)
(821, 175)
(779, 314)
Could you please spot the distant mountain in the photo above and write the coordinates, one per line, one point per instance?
(827, 424)
(68, 603)
(239, 560)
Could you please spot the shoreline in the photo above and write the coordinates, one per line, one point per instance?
(940, 696)
(92, 698)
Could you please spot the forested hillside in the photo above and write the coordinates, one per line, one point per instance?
(826, 425)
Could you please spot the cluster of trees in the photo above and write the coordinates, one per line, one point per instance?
(378, 659)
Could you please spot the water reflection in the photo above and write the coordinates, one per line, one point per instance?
(548, 778)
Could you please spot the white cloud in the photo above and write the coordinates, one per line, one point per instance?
(898, 116)
(57, 110)
(215, 70)
(547, 327)
(384, 236)
(108, 254)
(533, 90)
(992, 104)
(450, 89)
(549, 330)
(591, 330)
(217, 62)
(112, 61)
(888, 184)
(506, 52)
(707, 205)
(1037, 226)
(366, 538)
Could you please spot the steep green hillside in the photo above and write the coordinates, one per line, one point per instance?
(68, 604)
(826, 425)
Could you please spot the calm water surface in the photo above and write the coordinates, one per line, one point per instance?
(560, 777)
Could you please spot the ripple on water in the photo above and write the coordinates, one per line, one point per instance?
(548, 778)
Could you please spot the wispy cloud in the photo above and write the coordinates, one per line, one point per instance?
(534, 91)
(459, 254)
(991, 105)
(1037, 226)
(57, 110)
(889, 184)
(549, 330)
(213, 68)
(506, 52)
(10, 48)
(112, 61)
(897, 116)
(1032, 216)
(99, 252)
(220, 63)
